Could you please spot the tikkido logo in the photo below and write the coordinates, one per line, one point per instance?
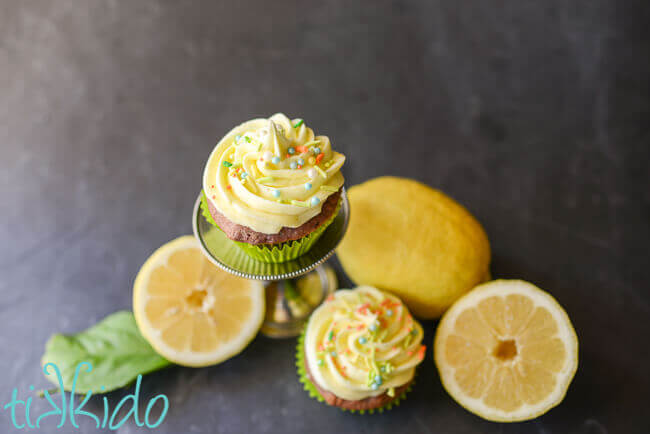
(67, 410)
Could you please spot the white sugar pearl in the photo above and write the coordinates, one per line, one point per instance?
(268, 155)
(311, 173)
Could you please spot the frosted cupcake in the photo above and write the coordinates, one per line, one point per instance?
(273, 187)
(360, 350)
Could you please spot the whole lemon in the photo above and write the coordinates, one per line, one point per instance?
(414, 241)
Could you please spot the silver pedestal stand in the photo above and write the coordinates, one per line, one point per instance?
(294, 288)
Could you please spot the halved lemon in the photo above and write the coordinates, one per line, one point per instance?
(506, 351)
(191, 312)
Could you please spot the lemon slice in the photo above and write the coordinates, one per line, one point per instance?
(191, 312)
(506, 351)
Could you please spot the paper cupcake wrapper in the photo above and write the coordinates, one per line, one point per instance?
(275, 253)
(313, 392)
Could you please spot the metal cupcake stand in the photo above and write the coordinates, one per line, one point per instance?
(294, 288)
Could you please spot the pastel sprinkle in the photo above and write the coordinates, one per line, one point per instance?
(372, 327)
(362, 340)
(265, 179)
(333, 353)
(315, 201)
(320, 362)
(301, 162)
(308, 186)
(374, 386)
(227, 164)
(319, 170)
(291, 150)
(237, 137)
(299, 203)
(293, 165)
(378, 380)
(329, 188)
(244, 175)
(275, 160)
(389, 312)
(276, 193)
(297, 124)
(311, 173)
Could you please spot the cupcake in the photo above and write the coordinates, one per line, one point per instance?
(360, 350)
(273, 187)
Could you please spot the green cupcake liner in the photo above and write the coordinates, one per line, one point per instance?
(313, 392)
(275, 253)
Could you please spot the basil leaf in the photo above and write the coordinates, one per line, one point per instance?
(114, 347)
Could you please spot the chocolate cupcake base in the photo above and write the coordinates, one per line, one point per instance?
(244, 234)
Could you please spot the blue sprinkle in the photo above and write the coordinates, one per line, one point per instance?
(333, 354)
(372, 327)
(315, 201)
(362, 340)
(382, 369)
(316, 150)
(275, 160)
(276, 193)
(374, 386)
(293, 165)
(378, 379)
(291, 150)
(389, 312)
(244, 175)
(320, 362)
(237, 137)
(301, 162)
(308, 186)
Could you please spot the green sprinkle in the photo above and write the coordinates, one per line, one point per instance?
(300, 203)
(328, 188)
(227, 164)
(266, 179)
(248, 139)
(297, 124)
(312, 143)
(330, 335)
(322, 173)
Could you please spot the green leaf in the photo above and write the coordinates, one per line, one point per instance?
(114, 347)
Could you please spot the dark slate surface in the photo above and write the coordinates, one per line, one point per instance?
(532, 114)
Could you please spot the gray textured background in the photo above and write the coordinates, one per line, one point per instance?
(533, 114)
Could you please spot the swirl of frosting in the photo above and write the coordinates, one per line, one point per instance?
(271, 173)
(362, 343)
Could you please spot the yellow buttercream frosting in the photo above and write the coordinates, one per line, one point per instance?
(362, 343)
(270, 173)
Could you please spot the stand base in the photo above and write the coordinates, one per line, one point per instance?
(289, 302)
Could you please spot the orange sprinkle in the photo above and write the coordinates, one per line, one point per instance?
(302, 149)
(363, 307)
(228, 186)
(410, 353)
(299, 166)
(214, 197)
(319, 158)
(421, 351)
